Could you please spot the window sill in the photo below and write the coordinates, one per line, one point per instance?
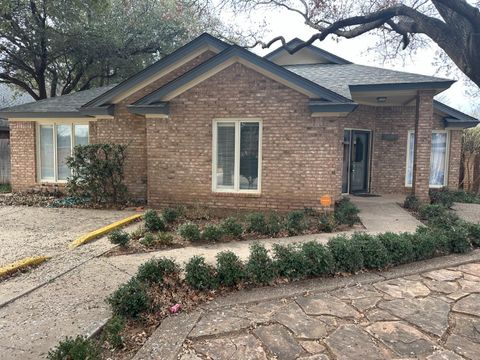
(236, 194)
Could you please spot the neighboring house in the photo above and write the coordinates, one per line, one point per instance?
(215, 124)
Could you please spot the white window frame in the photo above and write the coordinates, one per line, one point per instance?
(447, 159)
(55, 160)
(236, 175)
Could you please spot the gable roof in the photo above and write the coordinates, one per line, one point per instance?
(322, 54)
(454, 117)
(344, 79)
(59, 106)
(203, 41)
(237, 54)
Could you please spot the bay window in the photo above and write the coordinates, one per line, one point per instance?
(55, 144)
(438, 159)
(236, 156)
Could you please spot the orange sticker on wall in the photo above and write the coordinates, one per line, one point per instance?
(326, 201)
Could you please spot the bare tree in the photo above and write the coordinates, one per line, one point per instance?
(454, 25)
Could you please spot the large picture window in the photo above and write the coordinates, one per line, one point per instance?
(55, 144)
(438, 159)
(237, 155)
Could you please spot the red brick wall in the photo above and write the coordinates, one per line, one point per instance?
(454, 158)
(301, 154)
(23, 160)
(127, 128)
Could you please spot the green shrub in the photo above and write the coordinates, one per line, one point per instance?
(289, 261)
(189, 231)
(474, 233)
(347, 254)
(274, 224)
(318, 259)
(446, 220)
(230, 269)
(412, 202)
(326, 223)
(155, 270)
(259, 268)
(200, 275)
(442, 197)
(257, 224)
(375, 254)
(153, 222)
(429, 211)
(138, 233)
(212, 233)
(148, 239)
(130, 299)
(346, 212)
(112, 332)
(169, 215)
(424, 244)
(230, 226)
(79, 348)
(399, 247)
(97, 173)
(165, 238)
(295, 223)
(459, 239)
(119, 237)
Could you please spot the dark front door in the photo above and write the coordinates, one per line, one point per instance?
(356, 155)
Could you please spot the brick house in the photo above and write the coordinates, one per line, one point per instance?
(213, 123)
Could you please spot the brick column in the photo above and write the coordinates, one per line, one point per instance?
(423, 144)
(23, 162)
(455, 159)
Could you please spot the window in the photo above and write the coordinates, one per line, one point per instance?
(55, 144)
(438, 159)
(236, 155)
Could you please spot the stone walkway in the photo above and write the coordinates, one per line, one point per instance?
(432, 315)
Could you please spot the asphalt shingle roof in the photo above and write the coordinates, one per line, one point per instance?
(66, 103)
(338, 77)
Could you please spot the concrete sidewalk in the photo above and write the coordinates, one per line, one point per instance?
(468, 212)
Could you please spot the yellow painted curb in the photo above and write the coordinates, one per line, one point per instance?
(22, 264)
(102, 231)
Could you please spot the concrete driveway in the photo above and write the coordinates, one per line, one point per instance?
(33, 231)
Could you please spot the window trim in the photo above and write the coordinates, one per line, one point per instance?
(54, 124)
(236, 176)
(447, 159)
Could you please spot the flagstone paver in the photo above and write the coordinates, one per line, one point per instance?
(433, 316)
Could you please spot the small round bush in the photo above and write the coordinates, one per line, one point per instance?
(119, 237)
(295, 223)
(442, 197)
(153, 222)
(346, 212)
(446, 220)
(189, 231)
(130, 299)
(412, 202)
(347, 254)
(79, 348)
(274, 224)
(148, 239)
(375, 255)
(164, 238)
(231, 227)
(289, 261)
(459, 239)
(155, 270)
(212, 233)
(326, 223)
(257, 224)
(430, 211)
(200, 275)
(230, 269)
(474, 233)
(318, 259)
(169, 215)
(259, 268)
(424, 244)
(399, 247)
(112, 332)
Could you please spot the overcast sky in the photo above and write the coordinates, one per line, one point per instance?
(290, 25)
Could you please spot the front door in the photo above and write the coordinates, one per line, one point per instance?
(356, 155)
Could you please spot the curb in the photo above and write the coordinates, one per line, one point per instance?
(102, 231)
(22, 264)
